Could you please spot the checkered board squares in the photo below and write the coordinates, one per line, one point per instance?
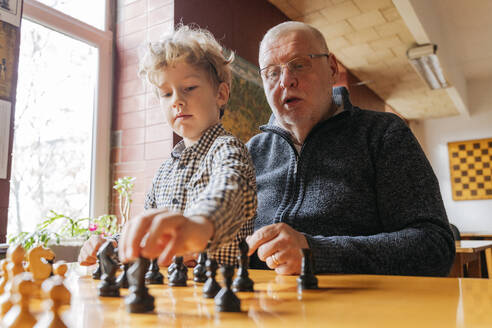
(470, 164)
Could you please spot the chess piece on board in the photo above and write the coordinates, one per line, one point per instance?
(226, 300)
(15, 256)
(211, 286)
(109, 265)
(200, 271)
(96, 275)
(179, 275)
(307, 279)
(122, 280)
(171, 268)
(60, 268)
(19, 314)
(57, 295)
(138, 300)
(39, 266)
(153, 276)
(243, 282)
(5, 275)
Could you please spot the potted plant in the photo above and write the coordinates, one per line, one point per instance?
(65, 235)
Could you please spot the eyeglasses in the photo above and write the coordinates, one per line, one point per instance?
(301, 64)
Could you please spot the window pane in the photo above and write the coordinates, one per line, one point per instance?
(53, 127)
(92, 12)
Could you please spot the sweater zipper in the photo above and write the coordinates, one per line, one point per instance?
(297, 155)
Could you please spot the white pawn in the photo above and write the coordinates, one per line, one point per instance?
(58, 295)
(19, 315)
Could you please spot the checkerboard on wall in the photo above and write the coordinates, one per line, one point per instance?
(470, 164)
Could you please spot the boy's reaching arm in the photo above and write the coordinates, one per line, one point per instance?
(229, 199)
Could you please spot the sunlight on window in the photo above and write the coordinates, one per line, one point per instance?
(91, 12)
(53, 127)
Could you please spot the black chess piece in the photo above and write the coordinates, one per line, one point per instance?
(226, 300)
(200, 271)
(243, 282)
(109, 264)
(179, 275)
(153, 276)
(171, 267)
(138, 300)
(211, 286)
(97, 273)
(307, 279)
(122, 280)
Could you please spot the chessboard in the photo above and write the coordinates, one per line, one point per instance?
(470, 165)
(340, 301)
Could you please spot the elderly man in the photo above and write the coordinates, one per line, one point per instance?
(352, 185)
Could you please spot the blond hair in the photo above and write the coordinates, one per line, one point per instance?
(191, 44)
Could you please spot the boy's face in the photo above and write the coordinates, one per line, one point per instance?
(189, 99)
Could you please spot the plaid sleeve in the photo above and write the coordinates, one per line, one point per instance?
(150, 197)
(229, 200)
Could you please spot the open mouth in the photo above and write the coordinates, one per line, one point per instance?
(292, 100)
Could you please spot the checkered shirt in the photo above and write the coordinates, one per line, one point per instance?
(214, 178)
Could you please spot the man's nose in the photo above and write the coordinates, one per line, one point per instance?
(287, 78)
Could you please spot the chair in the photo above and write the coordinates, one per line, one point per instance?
(456, 232)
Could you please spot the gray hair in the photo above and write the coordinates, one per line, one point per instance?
(290, 26)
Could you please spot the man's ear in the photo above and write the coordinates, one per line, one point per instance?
(332, 61)
(222, 94)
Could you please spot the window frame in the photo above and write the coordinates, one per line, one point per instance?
(100, 189)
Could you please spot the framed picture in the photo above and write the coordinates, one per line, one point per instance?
(8, 37)
(470, 164)
(247, 108)
(10, 11)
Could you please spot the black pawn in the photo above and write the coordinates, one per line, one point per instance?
(307, 279)
(172, 267)
(200, 271)
(138, 300)
(153, 276)
(226, 300)
(97, 273)
(243, 282)
(211, 287)
(179, 275)
(122, 280)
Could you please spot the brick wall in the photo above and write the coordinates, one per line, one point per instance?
(141, 138)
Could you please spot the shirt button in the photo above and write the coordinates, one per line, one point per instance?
(175, 201)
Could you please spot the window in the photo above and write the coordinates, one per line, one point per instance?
(63, 113)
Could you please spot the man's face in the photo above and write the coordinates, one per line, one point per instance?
(298, 98)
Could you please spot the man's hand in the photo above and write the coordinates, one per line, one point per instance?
(279, 246)
(163, 234)
(88, 252)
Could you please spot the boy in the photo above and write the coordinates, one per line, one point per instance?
(204, 196)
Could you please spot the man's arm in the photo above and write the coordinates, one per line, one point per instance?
(416, 238)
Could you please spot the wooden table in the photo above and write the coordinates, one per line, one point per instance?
(468, 253)
(343, 301)
(476, 235)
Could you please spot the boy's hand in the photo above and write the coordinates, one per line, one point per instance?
(163, 234)
(88, 252)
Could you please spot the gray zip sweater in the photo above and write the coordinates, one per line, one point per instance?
(361, 190)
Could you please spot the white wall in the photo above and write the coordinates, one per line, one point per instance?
(436, 133)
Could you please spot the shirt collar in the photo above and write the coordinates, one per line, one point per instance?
(203, 144)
